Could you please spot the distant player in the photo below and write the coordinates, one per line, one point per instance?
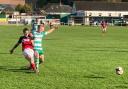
(27, 47)
(35, 24)
(104, 26)
(39, 50)
(51, 23)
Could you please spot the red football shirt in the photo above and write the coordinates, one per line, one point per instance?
(26, 42)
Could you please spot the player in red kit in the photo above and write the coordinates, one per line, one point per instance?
(104, 26)
(27, 47)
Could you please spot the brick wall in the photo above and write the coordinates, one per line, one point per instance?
(12, 2)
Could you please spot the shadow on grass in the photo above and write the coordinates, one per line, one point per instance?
(14, 69)
(20, 70)
(94, 77)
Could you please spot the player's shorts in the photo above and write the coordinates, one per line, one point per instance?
(41, 52)
(104, 26)
(28, 52)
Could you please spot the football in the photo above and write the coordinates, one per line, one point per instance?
(119, 70)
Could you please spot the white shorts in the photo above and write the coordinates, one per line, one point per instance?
(28, 52)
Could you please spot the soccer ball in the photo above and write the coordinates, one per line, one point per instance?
(119, 70)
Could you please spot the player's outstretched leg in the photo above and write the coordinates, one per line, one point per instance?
(37, 61)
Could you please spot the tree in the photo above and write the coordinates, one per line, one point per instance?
(27, 8)
(41, 3)
(19, 8)
(23, 8)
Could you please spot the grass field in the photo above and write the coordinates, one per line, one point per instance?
(76, 57)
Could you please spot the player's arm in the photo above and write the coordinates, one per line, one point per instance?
(52, 29)
(16, 45)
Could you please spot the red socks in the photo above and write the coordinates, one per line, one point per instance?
(33, 66)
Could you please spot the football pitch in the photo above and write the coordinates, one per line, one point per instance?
(76, 57)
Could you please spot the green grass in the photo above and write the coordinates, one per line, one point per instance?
(76, 57)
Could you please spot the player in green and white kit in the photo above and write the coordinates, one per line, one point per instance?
(39, 51)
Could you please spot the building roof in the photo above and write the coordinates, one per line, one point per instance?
(57, 8)
(6, 7)
(102, 6)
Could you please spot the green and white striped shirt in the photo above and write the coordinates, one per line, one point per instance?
(38, 40)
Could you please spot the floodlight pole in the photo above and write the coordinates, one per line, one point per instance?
(16, 21)
(60, 2)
